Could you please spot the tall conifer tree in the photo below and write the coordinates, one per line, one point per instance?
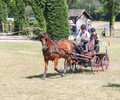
(38, 7)
(57, 19)
(17, 9)
(3, 15)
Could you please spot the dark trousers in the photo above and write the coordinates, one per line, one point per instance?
(84, 45)
(97, 48)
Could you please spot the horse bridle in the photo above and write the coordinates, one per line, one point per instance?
(46, 39)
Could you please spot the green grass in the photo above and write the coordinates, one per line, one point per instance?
(107, 33)
(22, 65)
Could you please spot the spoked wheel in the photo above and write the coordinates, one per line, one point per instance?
(105, 63)
(76, 66)
(95, 65)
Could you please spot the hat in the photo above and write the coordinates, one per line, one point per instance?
(83, 26)
(92, 29)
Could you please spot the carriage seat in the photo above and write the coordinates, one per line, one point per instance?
(91, 45)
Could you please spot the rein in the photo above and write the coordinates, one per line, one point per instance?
(54, 48)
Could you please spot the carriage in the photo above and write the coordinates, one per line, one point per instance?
(53, 50)
(91, 59)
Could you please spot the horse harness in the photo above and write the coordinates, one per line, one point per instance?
(57, 52)
(54, 47)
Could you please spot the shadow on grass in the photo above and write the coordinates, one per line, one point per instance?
(112, 85)
(49, 75)
(82, 71)
(117, 36)
(57, 75)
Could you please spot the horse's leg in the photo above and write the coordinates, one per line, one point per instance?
(45, 72)
(55, 66)
(67, 65)
(64, 71)
(70, 64)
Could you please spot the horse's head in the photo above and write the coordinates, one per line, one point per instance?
(44, 40)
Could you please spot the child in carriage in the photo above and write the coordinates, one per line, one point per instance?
(96, 39)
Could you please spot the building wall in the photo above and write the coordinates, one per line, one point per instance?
(82, 20)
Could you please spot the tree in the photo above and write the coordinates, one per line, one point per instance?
(112, 7)
(100, 14)
(3, 16)
(38, 7)
(17, 9)
(57, 19)
(52, 16)
(70, 2)
(29, 11)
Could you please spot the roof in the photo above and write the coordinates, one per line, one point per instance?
(103, 26)
(78, 13)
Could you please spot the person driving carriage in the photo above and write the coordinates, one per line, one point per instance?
(95, 36)
(85, 38)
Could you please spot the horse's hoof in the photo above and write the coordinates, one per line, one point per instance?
(60, 70)
(43, 78)
(63, 75)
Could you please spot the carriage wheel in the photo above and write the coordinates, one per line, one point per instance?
(95, 65)
(105, 63)
(74, 65)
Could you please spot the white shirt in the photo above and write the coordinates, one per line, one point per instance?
(83, 35)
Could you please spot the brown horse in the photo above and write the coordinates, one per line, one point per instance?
(54, 50)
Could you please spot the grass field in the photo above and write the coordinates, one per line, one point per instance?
(22, 65)
(100, 30)
(98, 23)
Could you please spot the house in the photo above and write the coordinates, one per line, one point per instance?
(80, 16)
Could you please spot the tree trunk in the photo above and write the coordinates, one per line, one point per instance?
(16, 28)
(112, 20)
(2, 27)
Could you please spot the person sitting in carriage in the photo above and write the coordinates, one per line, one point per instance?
(85, 38)
(96, 38)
